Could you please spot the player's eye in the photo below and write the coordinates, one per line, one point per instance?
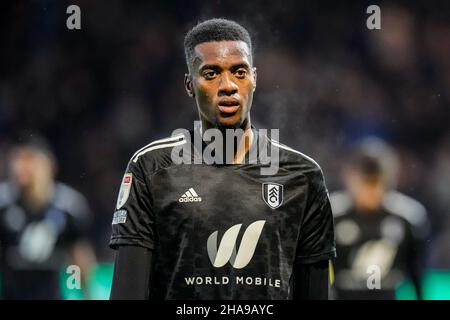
(241, 73)
(209, 74)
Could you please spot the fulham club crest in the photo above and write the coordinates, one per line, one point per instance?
(272, 194)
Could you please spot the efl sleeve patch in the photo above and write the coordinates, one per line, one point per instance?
(133, 219)
(124, 192)
(120, 217)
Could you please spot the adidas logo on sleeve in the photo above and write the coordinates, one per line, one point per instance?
(190, 196)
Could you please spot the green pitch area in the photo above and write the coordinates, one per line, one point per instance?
(436, 285)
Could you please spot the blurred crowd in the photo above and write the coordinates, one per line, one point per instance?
(100, 93)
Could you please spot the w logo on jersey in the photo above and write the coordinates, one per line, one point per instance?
(272, 194)
(227, 248)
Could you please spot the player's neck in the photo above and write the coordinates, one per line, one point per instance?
(241, 146)
(366, 210)
(36, 197)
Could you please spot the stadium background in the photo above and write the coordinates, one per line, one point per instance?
(101, 92)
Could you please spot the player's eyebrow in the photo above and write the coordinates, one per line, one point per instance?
(240, 65)
(211, 66)
(219, 68)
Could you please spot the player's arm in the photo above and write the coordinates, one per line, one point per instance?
(416, 259)
(316, 245)
(81, 251)
(311, 281)
(83, 256)
(131, 274)
(132, 236)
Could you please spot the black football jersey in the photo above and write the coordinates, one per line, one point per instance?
(377, 250)
(35, 246)
(223, 231)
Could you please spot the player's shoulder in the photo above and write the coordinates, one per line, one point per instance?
(341, 204)
(403, 206)
(297, 160)
(157, 153)
(71, 201)
(293, 160)
(7, 194)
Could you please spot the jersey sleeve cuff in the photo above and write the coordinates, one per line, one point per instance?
(117, 241)
(316, 257)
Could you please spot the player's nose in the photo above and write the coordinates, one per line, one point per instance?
(227, 86)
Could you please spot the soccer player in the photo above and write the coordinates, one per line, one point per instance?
(42, 225)
(380, 232)
(221, 230)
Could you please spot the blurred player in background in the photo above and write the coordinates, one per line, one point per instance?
(379, 231)
(42, 225)
(438, 189)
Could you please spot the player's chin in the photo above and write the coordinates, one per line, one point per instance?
(229, 121)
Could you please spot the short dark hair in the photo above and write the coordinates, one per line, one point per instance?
(369, 166)
(35, 142)
(217, 29)
(366, 164)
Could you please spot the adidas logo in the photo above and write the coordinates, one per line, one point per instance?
(190, 196)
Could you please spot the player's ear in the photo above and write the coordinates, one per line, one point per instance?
(254, 78)
(188, 85)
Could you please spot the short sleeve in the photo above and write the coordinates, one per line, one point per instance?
(133, 219)
(316, 238)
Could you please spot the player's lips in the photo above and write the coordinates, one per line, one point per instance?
(228, 105)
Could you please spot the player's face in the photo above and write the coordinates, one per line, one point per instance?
(222, 80)
(30, 168)
(366, 192)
